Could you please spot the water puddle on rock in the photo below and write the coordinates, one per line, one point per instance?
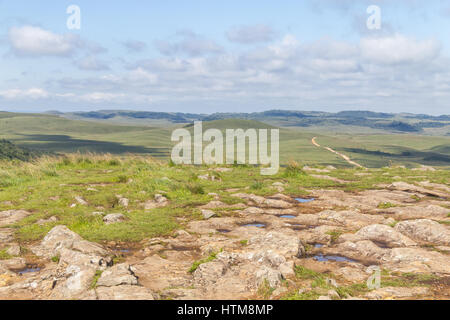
(287, 216)
(318, 245)
(304, 200)
(223, 230)
(256, 224)
(323, 258)
(28, 270)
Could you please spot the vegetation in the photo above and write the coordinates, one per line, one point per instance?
(196, 264)
(12, 152)
(356, 134)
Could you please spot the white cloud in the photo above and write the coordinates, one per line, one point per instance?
(134, 45)
(398, 49)
(35, 41)
(259, 33)
(394, 73)
(189, 43)
(91, 63)
(32, 93)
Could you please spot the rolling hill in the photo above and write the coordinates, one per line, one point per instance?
(390, 143)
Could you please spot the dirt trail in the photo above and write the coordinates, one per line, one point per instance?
(343, 156)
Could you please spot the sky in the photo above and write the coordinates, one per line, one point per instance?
(204, 56)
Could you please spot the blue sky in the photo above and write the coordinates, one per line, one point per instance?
(225, 56)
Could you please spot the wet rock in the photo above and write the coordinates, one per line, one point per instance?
(114, 218)
(364, 250)
(425, 230)
(121, 274)
(384, 235)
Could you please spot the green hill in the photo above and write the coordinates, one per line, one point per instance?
(10, 151)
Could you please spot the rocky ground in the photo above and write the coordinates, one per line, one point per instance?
(272, 247)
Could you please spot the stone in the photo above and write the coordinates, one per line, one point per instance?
(287, 269)
(431, 212)
(61, 237)
(271, 276)
(208, 214)
(124, 202)
(124, 292)
(81, 201)
(384, 235)
(12, 216)
(288, 245)
(49, 220)
(114, 218)
(13, 250)
(396, 293)
(13, 264)
(208, 273)
(121, 274)
(403, 186)
(425, 230)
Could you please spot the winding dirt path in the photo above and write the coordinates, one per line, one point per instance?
(343, 156)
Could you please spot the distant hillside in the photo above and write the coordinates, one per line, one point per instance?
(343, 121)
(10, 151)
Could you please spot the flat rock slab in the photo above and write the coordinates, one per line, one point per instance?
(12, 216)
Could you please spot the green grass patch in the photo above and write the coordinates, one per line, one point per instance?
(196, 264)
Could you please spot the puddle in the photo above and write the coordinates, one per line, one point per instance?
(258, 225)
(304, 200)
(287, 216)
(318, 245)
(223, 230)
(28, 270)
(322, 258)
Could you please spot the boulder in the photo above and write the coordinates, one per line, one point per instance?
(425, 230)
(384, 235)
(114, 218)
(61, 237)
(121, 274)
